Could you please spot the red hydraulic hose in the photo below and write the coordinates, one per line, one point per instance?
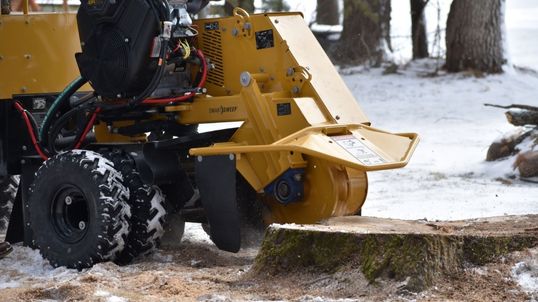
(187, 96)
(30, 129)
(89, 127)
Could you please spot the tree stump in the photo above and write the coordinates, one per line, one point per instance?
(415, 251)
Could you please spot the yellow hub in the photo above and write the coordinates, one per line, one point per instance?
(330, 190)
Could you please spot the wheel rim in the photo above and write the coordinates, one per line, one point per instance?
(70, 213)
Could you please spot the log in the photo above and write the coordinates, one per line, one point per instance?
(416, 252)
(506, 146)
(521, 117)
(527, 164)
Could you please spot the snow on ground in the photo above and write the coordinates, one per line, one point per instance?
(447, 177)
(526, 275)
(195, 233)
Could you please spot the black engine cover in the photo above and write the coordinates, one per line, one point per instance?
(116, 40)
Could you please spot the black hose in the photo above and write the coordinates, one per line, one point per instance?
(60, 124)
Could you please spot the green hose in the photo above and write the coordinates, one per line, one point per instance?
(62, 97)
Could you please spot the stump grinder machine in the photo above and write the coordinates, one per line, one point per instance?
(106, 159)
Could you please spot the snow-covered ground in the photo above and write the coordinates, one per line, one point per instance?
(447, 177)
(526, 274)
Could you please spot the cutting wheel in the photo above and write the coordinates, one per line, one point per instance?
(330, 190)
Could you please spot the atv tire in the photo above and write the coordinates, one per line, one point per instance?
(78, 210)
(8, 191)
(148, 212)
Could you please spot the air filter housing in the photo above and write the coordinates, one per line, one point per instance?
(116, 38)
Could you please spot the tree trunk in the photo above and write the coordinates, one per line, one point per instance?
(5, 7)
(247, 5)
(474, 36)
(275, 6)
(328, 12)
(366, 34)
(418, 29)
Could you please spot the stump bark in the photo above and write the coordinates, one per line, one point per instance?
(416, 251)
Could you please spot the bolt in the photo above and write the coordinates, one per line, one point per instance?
(82, 225)
(245, 79)
(126, 40)
(337, 117)
(297, 177)
(200, 158)
(68, 200)
(235, 32)
(232, 156)
(290, 72)
(295, 90)
(23, 161)
(276, 21)
(24, 148)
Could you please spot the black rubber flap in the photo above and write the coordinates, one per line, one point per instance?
(215, 178)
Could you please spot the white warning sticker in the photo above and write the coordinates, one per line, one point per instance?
(359, 150)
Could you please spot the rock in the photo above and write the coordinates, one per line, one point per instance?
(416, 251)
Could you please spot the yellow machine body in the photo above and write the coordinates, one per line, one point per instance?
(269, 73)
(37, 53)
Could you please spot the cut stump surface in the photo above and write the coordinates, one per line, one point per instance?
(413, 251)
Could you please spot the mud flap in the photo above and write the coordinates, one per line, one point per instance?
(19, 229)
(15, 231)
(215, 178)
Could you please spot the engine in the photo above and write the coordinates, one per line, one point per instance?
(135, 49)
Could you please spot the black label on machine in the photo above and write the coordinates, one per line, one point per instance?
(265, 39)
(211, 26)
(283, 109)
